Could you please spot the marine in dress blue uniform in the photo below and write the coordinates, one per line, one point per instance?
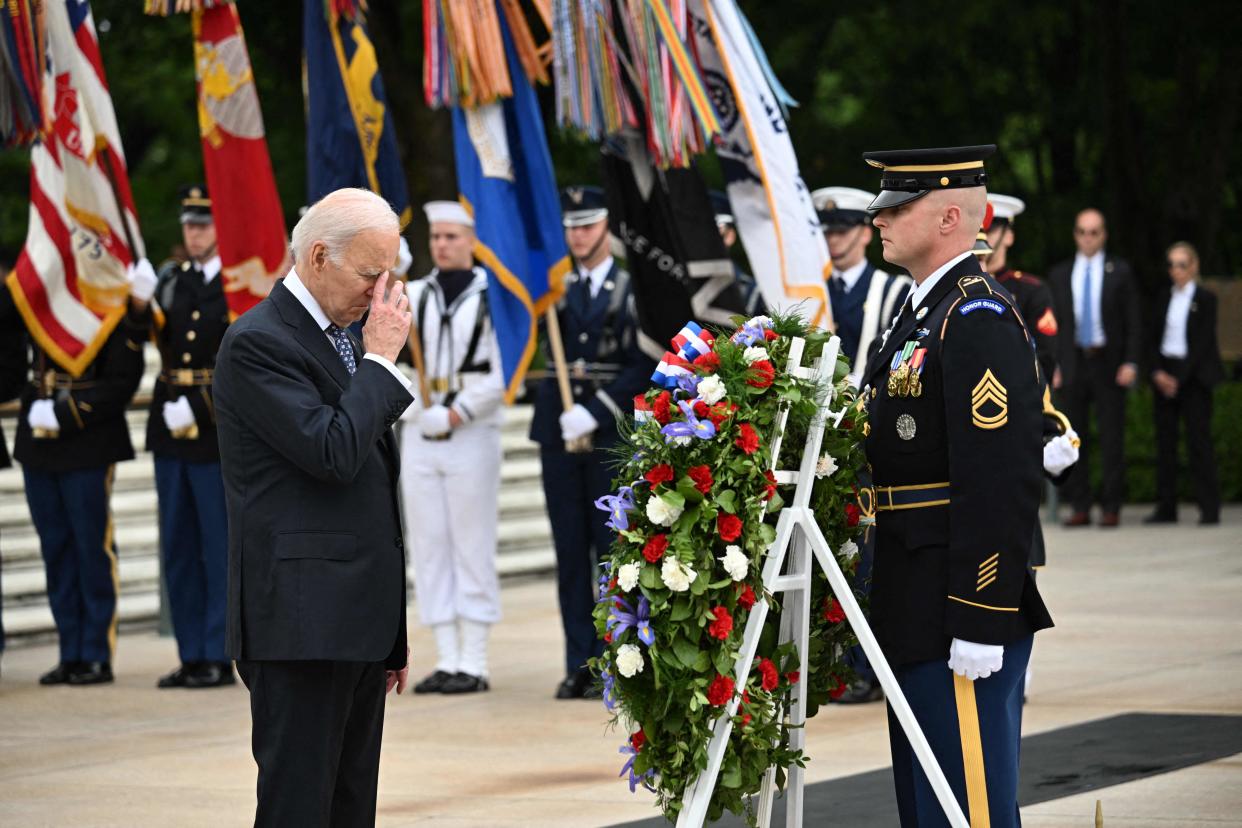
(188, 319)
(954, 444)
(599, 329)
(68, 460)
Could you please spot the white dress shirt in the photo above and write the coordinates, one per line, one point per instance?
(851, 275)
(1173, 345)
(596, 275)
(920, 291)
(303, 295)
(211, 269)
(1077, 280)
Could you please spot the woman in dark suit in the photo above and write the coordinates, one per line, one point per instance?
(1186, 365)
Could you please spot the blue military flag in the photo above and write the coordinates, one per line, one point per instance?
(350, 140)
(505, 177)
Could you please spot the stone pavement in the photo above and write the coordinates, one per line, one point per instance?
(1148, 621)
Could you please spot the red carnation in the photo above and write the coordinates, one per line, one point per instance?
(761, 374)
(702, 477)
(834, 613)
(720, 691)
(745, 719)
(654, 549)
(637, 739)
(660, 407)
(851, 514)
(747, 438)
(708, 362)
(770, 489)
(608, 637)
(838, 691)
(746, 599)
(700, 409)
(719, 413)
(722, 626)
(792, 676)
(769, 676)
(771, 335)
(729, 527)
(658, 474)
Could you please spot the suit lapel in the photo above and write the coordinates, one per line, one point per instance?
(307, 333)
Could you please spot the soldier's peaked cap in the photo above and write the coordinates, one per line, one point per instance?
(912, 174)
(583, 205)
(195, 204)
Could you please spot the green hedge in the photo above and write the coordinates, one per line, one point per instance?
(1141, 447)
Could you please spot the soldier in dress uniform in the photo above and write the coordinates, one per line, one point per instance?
(450, 456)
(752, 297)
(954, 444)
(71, 433)
(187, 313)
(599, 328)
(864, 298)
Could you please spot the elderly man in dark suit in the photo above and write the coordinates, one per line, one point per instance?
(1098, 346)
(316, 590)
(1186, 365)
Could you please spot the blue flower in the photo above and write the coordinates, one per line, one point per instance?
(692, 427)
(618, 507)
(623, 617)
(635, 778)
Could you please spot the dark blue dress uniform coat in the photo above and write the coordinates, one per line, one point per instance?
(600, 334)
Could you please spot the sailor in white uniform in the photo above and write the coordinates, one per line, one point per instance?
(450, 456)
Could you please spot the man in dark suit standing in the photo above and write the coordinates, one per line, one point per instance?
(316, 589)
(1186, 365)
(1098, 345)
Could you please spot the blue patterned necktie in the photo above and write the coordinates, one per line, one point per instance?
(1086, 328)
(340, 341)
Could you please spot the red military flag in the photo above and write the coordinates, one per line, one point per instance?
(69, 282)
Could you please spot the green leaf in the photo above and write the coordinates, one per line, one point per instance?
(767, 533)
(731, 775)
(727, 500)
(649, 576)
(699, 585)
(702, 661)
(686, 650)
(674, 499)
(685, 488)
(682, 610)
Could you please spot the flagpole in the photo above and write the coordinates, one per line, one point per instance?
(578, 445)
(120, 208)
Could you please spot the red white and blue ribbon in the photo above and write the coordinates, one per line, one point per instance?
(671, 368)
(693, 342)
(642, 409)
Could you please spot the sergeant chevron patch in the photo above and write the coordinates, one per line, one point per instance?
(989, 390)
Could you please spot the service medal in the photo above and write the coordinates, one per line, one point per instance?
(906, 427)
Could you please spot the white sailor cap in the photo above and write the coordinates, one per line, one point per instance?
(841, 207)
(448, 212)
(1005, 207)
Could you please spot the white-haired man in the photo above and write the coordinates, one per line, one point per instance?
(450, 456)
(955, 450)
(316, 582)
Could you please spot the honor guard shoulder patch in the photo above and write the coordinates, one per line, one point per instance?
(1047, 324)
(991, 395)
(976, 304)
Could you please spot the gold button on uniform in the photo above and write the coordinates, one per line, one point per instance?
(195, 315)
(191, 335)
(185, 358)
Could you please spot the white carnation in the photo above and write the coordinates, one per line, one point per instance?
(760, 321)
(849, 550)
(754, 354)
(676, 575)
(629, 660)
(711, 389)
(627, 576)
(661, 513)
(827, 465)
(734, 562)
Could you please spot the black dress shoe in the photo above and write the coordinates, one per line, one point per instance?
(433, 683)
(575, 685)
(1209, 520)
(464, 683)
(1160, 517)
(91, 672)
(861, 692)
(58, 674)
(211, 674)
(177, 677)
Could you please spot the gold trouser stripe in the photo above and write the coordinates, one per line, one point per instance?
(972, 751)
(110, 550)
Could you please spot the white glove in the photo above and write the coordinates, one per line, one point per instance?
(42, 414)
(1059, 453)
(178, 415)
(577, 422)
(404, 259)
(975, 661)
(142, 280)
(434, 422)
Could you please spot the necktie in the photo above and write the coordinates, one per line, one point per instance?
(1086, 327)
(582, 294)
(340, 341)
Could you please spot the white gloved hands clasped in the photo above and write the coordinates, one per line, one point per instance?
(178, 415)
(434, 421)
(577, 422)
(1059, 453)
(142, 280)
(975, 661)
(42, 414)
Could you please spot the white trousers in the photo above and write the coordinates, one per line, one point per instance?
(451, 491)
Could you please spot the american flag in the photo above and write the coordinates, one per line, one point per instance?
(69, 281)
